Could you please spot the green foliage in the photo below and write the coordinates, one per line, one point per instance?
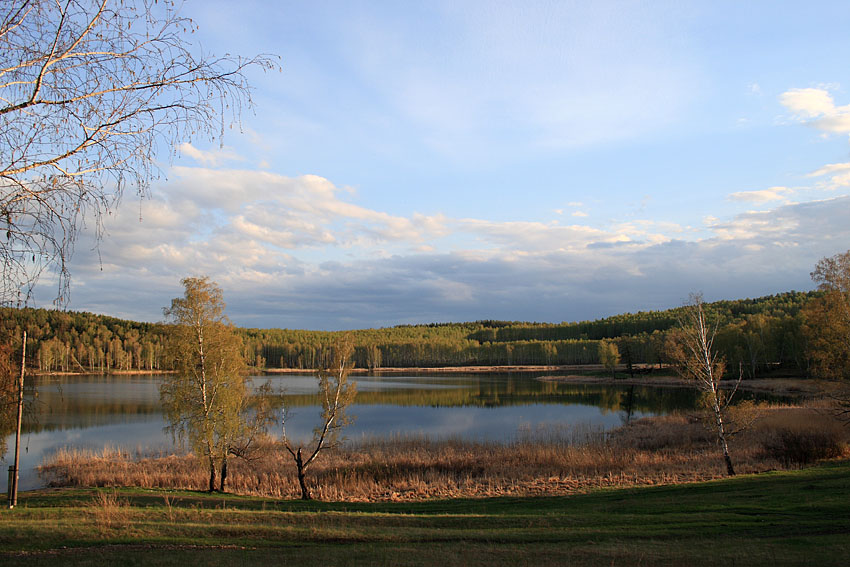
(68, 341)
(827, 319)
(757, 334)
(203, 401)
(9, 370)
(609, 355)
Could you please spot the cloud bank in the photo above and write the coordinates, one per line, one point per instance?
(299, 252)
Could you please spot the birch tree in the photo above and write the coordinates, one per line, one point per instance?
(691, 348)
(609, 356)
(90, 92)
(204, 401)
(336, 394)
(828, 318)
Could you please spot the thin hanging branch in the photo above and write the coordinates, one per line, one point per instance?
(90, 90)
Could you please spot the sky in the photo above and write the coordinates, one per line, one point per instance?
(418, 162)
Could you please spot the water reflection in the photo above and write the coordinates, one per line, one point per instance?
(97, 411)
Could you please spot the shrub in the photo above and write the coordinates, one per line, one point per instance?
(803, 444)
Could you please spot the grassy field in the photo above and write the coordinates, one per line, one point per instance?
(790, 518)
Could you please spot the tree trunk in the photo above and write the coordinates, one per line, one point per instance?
(223, 473)
(299, 462)
(212, 474)
(721, 435)
(729, 468)
(13, 479)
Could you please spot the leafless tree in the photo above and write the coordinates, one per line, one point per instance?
(691, 349)
(90, 90)
(336, 394)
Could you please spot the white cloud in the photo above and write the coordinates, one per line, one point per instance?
(808, 103)
(300, 251)
(302, 211)
(211, 158)
(817, 107)
(839, 176)
(762, 196)
(829, 169)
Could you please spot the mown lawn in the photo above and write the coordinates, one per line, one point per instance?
(788, 518)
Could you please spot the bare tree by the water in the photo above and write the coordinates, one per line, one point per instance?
(337, 394)
(691, 348)
(90, 90)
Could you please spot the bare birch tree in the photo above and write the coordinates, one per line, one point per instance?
(336, 394)
(90, 90)
(691, 349)
(204, 402)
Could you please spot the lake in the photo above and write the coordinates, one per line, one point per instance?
(96, 411)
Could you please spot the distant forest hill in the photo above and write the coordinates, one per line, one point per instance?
(756, 334)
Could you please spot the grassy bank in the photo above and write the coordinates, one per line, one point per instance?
(794, 517)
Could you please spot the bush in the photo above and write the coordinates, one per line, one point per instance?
(803, 444)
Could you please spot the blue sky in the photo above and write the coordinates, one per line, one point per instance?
(416, 162)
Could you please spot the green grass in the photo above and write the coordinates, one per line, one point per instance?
(789, 518)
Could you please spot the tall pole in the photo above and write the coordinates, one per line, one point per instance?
(13, 474)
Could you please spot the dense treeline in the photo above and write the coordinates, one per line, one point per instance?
(69, 341)
(754, 334)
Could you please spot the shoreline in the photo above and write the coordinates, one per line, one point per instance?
(383, 370)
(794, 386)
(666, 378)
(31, 372)
(460, 369)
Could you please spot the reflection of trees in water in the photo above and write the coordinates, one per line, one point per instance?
(80, 414)
(56, 403)
(78, 402)
(512, 391)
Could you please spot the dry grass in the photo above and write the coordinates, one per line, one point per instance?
(109, 511)
(662, 450)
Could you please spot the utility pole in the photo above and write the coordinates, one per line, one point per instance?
(13, 471)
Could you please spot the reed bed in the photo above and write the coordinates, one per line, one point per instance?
(545, 461)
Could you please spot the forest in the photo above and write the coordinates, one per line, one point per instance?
(755, 335)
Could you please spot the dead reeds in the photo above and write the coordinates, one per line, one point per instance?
(556, 460)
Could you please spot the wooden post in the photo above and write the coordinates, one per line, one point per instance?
(13, 474)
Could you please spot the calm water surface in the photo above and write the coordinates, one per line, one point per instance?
(96, 411)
